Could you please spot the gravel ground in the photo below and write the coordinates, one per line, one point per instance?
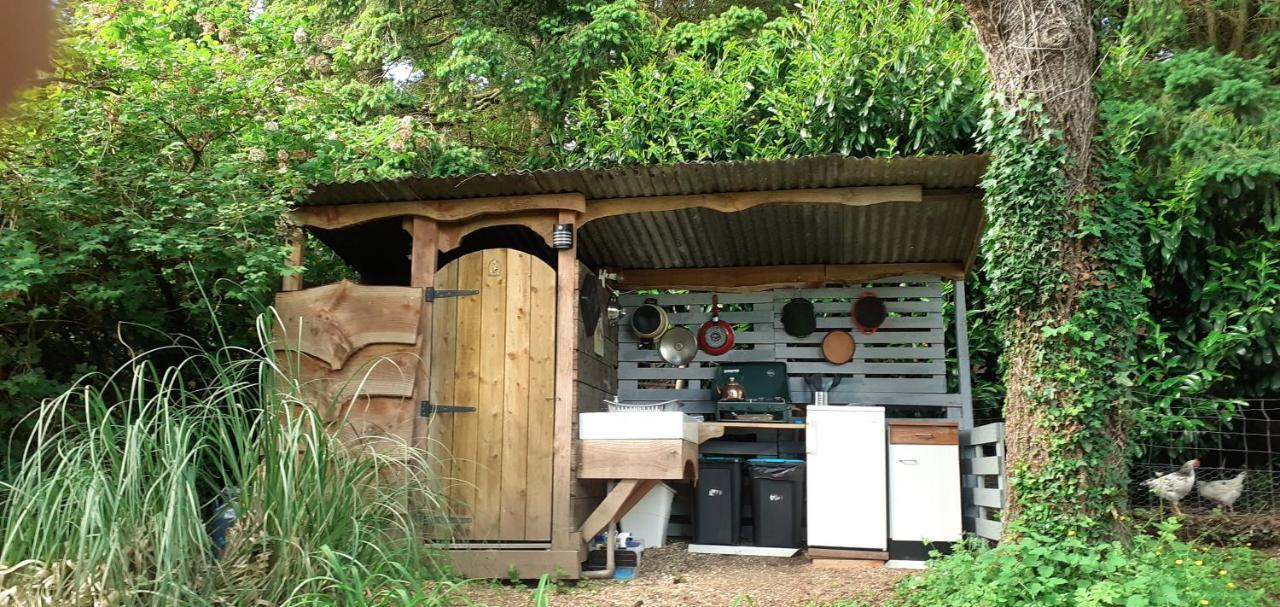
(671, 577)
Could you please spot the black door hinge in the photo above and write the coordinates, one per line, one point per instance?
(428, 409)
(432, 294)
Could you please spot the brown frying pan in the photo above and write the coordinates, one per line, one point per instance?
(837, 347)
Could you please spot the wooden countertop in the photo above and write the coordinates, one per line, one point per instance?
(710, 430)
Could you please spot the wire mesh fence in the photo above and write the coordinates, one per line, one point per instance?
(1229, 438)
(1238, 449)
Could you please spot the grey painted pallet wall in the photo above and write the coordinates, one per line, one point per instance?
(982, 476)
(901, 364)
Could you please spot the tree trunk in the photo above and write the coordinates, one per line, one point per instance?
(1052, 287)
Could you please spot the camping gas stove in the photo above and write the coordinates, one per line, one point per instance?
(774, 409)
(765, 385)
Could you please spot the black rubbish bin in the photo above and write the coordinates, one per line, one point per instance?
(718, 506)
(777, 501)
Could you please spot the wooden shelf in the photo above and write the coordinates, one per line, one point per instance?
(710, 430)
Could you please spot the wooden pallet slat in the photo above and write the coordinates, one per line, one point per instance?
(932, 321)
(632, 300)
(989, 498)
(928, 336)
(633, 354)
(908, 306)
(981, 465)
(866, 352)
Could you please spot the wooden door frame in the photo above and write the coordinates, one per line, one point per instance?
(422, 275)
(563, 534)
(425, 233)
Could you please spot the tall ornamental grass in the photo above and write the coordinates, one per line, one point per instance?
(120, 486)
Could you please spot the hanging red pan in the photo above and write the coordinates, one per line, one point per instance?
(716, 336)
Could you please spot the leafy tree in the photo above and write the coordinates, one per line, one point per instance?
(876, 77)
(1204, 165)
(144, 179)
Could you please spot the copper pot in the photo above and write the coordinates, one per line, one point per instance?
(733, 390)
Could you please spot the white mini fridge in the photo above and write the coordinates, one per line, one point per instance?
(847, 504)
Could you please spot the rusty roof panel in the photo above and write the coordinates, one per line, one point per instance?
(935, 172)
(896, 232)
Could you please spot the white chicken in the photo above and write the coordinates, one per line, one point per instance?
(1223, 493)
(1174, 486)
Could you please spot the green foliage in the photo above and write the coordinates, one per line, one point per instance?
(1256, 530)
(1065, 570)
(708, 37)
(856, 77)
(162, 151)
(1205, 164)
(544, 65)
(1210, 127)
(113, 501)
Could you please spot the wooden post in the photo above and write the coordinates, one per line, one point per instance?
(422, 274)
(962, 357)
(298, 240)
(562, 532)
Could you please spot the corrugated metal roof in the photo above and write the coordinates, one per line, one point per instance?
(944, 227)
(942, 230)
(956, 171)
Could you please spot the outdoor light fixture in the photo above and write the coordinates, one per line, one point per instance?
(562, 236)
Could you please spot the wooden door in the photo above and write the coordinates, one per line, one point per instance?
(495, 351)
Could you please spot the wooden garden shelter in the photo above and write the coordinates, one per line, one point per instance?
(474, 287)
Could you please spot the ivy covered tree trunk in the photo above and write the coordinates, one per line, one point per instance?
(1062, 258)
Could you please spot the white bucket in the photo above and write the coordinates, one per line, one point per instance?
(647, 521)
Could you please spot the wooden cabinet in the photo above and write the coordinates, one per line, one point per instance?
(924, 486)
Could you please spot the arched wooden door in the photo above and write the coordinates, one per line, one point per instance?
(495, 351)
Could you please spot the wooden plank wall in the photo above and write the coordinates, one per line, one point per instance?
(596, 377)
(356, 367)
(982, 476)
(901, 364)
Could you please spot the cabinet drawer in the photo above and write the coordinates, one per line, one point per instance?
(923, 434)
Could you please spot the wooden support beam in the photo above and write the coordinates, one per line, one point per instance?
(762, 278)
(442, 211)
(732, 202)
(563, 536)
(422, 274)
(963, 365)
(297, 240)
(527, 564)
(541, 222)
(624, 496)
(841, 553)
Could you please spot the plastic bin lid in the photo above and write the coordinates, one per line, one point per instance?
(719, 458)
(774, 460)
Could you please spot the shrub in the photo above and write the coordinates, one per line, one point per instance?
(1045, 571)
(116, 494)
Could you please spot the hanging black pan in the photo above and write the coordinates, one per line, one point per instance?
(869, 313)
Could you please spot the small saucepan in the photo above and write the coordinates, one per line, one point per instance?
(649, 321)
